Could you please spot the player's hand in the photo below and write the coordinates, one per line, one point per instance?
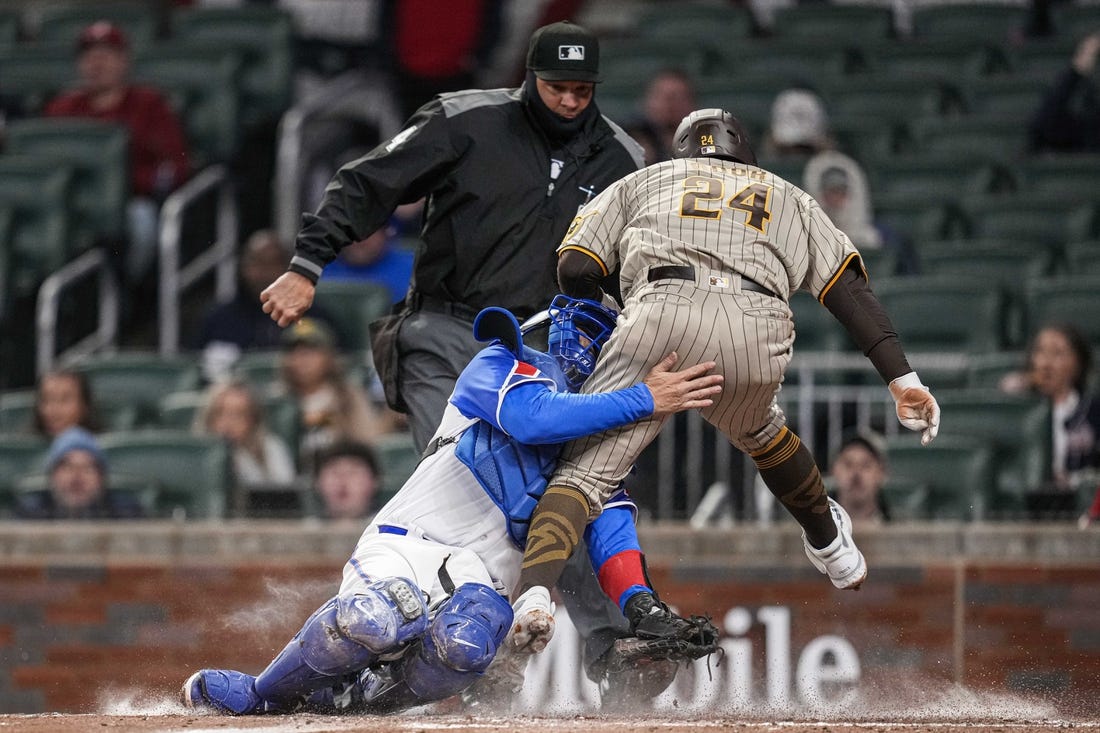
(288, 298)
(688, 389)
(916, 407)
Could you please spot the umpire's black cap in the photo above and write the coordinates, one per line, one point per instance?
(564, 51)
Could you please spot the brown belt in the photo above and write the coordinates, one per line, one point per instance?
(685, 272)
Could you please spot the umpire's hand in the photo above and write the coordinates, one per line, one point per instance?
(288, 298)
(684, 390)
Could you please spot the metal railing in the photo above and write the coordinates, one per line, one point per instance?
(220, 256)
(49, 302)
(352, 96)
(705, 482)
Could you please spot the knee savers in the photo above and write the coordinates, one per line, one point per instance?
(460, 644)
(389, 613)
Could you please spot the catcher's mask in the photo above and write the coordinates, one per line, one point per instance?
(712, 133)
(572, 331)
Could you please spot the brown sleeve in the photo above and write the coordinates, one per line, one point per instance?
(852, 302)
(580, 274)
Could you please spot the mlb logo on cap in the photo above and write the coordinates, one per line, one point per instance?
(571, 53)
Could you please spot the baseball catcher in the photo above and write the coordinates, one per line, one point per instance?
(422, 611)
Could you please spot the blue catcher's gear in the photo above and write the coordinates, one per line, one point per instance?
(460, 644)
(224, 690)
(578, 329)
(343, 636)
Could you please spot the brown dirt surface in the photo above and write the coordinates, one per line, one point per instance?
(428, 723)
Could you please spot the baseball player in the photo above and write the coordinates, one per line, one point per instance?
(422, 607)
(710, 248)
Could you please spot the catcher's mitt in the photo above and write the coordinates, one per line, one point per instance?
(661, 634)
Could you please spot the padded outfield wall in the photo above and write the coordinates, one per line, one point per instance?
(91, 614)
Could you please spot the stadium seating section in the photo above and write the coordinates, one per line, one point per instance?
(934, 103)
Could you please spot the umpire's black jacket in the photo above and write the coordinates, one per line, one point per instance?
(493, 220)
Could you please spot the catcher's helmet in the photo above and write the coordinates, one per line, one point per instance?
(566, 337)
(712, 133)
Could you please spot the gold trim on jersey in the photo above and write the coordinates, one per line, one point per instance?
(839, 272)
(590, 253)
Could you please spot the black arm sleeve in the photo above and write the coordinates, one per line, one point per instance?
(851, 302)
(579, 275)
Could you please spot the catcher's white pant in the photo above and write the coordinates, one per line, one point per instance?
(447, 516)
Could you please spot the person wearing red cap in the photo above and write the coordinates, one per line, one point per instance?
(158, 148)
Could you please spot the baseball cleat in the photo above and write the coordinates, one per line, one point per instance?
(841, 560)
(496, 688)
(532, 622)
(222, 690)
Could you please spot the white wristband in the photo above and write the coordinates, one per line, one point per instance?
(905, 381)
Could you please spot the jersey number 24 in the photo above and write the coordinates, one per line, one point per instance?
(700, 193)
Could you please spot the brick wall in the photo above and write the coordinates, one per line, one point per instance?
(81, 628)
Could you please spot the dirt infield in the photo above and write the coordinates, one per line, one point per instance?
(191, 723)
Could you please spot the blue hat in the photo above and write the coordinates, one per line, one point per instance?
(74, 439)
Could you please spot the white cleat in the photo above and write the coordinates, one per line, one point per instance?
(532, 622)
(841, 560)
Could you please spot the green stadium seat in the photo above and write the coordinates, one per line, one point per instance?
(264, 38)
(925, 174)
(200, 79)
(987, 370)
(957, 471)
(192, 473)
(993, 22)
(834, 21)
(879, 263)
(1015, 97)
(180, 410)
(37, 193)
(1074, 19)
(1047, 219)
(815, 328)
(629, 63)
(63, 23)
(1043, 58)
(353, 305)
(943, 57)
(692, 21)
(1073, 299)
(398, 457)
(98, 153)
(747, 98)
(945, 313)
(138, 380)
(894, 99)
(992, 137)
(9, 30)
(7, 216)
(31, 76)
(918, 218)
(786, 62)
(1019, 430)
(906, 499)
(1008, 264)
(259, 368)
(1083, 257)
(19, 454)
(17, 410)
(1074, 177)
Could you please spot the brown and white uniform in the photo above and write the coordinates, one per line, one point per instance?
(710, 251)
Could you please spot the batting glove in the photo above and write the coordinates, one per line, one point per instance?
(916, 407)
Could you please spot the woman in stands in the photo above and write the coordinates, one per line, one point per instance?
(63, 399)
(233, 412)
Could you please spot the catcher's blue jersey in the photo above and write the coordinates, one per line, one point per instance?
(512, 445)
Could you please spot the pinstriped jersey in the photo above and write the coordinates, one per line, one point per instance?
(713, 215)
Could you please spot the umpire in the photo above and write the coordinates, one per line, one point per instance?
(504, 172)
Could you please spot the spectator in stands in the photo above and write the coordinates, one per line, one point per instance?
(240, 324)
(233, 412)
(63, 400)
(433, 57)
(158, 149)
(1068, 118)
(840, 186)
(348, 479)
(77, 484)
(378, 259)
(858, 474)
(669, 98)
(1059, 360)
(333, 408)
(799, 126)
